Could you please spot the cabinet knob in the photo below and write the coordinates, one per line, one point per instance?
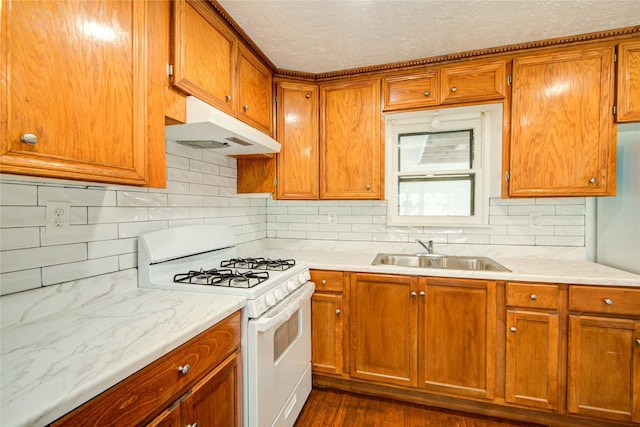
(513, 329)
(324, 282)
(422, 293)
(638, 341)
(29, 138)
(338, 311)
(454, 89)
(426, 93)
(413, 294)
(368, 186)
(245, 108)
(184, 370)
(308, 95)
(227, 98)
(533, 297)
(593, 181)
(608, 301)
(192, 425)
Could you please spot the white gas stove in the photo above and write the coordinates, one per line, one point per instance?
(276, 329)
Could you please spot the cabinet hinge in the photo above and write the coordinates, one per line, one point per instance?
(509, 80)
(615, 57)
(275, 182)
(506, 176)
(275, 99)
(614, 110)
(169, 70)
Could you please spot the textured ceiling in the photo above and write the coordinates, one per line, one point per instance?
(318, 36)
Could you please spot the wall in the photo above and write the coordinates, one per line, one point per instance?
(105, 221)
(562, 223)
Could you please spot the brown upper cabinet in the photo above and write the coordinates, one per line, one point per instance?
(210, 63)
(452, 84)
(628, 103)
(563, 139)
(80, 100)
(351, 146)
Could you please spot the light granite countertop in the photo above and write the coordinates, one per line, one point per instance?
(529, 264)
(64, 344)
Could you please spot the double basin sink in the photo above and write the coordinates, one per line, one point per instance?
(439, 261)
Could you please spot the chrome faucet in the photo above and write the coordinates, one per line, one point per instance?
(428, 246)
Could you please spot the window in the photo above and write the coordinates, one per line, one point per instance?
(437, 163)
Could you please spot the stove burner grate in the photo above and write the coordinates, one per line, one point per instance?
(222, 277)
(259, 263)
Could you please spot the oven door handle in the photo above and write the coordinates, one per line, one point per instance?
(289, 307)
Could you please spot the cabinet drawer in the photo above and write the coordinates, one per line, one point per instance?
(326, 280)
(154, 387)
(474, 82)
(600, 299)
(410, 91)
(532, 295)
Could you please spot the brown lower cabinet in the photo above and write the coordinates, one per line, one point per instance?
(555, 354)
(199, 382)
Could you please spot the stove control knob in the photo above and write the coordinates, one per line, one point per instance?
(292, 285)
(301, 278)
(278, 294)
(270, 300)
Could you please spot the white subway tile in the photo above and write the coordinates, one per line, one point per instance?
(230, 172)
(216, 201)
(176, 187)
(512, 240)
(569, 230)
(498, 210)
(282, 234)
(560, 241)
(79, 234)
(184, 150)
(303, 227)
(526, 210)
(107, 248)
(211, 156)
(318, 219)
(182, 222)
(291, 218)
(77, 196)
(78, 215)
(168, 213)
(204, 190)
(18, 195)
(134, 229)
(338, 210)
(184, 175)
(509, 220)
(19, 238)
(303, 210)
(216, 180)
(511, 202)
(405, 229)
(313, 235)
(275, 226)
(19, 281)
(22, 216)
(177, 162)
(366, 237)
(124, 214)
(126, 261)
(562, 220)
(207, 212)
(228, 191)
(525, 230)
(134, 198)
(368, 228)
(468, 239)
(390, 237)
(355, 219)
(78, 270)
(185, 200)
(334, 227)
(369, 210)
(24, 259)
(561, 201)
(355, 203)
(571, 209)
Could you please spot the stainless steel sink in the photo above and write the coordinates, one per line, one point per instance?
(439, 261)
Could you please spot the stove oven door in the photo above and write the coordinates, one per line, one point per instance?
(279, 361)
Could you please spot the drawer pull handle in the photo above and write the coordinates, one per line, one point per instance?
(608, 301)
(513, 329)
(454, 89)
(227, 98)
(29, 138)
(422, 293)
(324, 282)
(426, 93)
(414, 294)
(533, 297)
(184, 370)
(192, 425)
(638, 341)
(338, 311)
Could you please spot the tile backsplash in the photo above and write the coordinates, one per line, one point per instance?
(201, 188)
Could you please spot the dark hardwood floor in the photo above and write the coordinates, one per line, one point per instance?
(329, 408)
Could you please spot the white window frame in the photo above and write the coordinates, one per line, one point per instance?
(487, 133)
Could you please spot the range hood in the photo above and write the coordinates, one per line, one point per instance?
(209, 128)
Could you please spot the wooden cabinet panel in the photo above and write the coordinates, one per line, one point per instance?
(411, 91)
(532, 295)
(170, 417)
(254, 92)
(384, 328)
(563, 142)
(473, 82)
(350, 140)
(532, 374)
(604, 368)
(297, 132)
(75, 75)
(204, 55)
(628, 103)
(457, 338)
(157, 385)
(327, 333)
(605, 300)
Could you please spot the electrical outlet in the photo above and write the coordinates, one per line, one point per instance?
(58, 214)
(332, 218)
(535, 221)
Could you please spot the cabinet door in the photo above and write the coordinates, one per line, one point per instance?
(75, 79)
(457, 337)
(562, 134)
(327, 333)
(168, 418)
(383, 328)
(604, 368)
(204, 55)
(254, 92)
(216, 400)
(297, 131)
(411, 91)
(474, 82)
(628, 82)
(351, 144)
(532, 359)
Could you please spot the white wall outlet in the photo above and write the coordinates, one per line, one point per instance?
(58, 214)
(535, 221)
(332, 218)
